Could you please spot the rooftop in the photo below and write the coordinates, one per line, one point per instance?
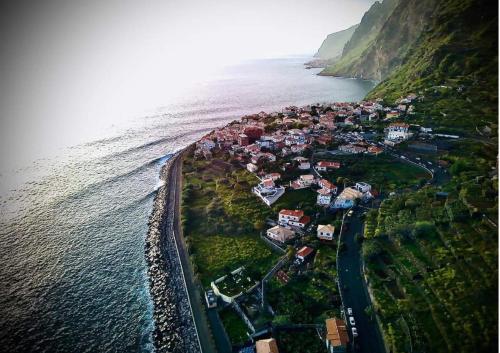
(336, 332)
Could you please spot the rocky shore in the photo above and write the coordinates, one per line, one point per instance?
(175, 330)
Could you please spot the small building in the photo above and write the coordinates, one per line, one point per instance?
(243, 140)
(323, 166)
(210, 299)
(375, 150)
(325, 232)
(293, 218)
(392, 114)
(252, 168)
(398, 132)
(337, 337)
(352, 149)
(266, 346)
(324, 197)
(304, 181)
(273, 176)
(363, 187)
(327, 185)
(290, 215)
(280, 234)
(303, 163)
(304, 253)
(347, 198)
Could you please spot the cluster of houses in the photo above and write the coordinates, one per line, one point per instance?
(264, 136)
(290, 222)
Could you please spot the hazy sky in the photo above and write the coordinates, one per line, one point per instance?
(91, 59)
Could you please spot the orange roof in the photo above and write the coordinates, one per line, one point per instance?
(327, 184)
(329, 164)
(305, 219)
(293, 213)
(400, 125)
(305, 251)
(336, 332)
(267, 346)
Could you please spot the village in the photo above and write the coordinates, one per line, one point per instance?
(305, 149)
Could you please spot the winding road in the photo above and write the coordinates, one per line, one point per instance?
(352, 283)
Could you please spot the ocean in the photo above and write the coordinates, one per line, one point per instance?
(72, 228)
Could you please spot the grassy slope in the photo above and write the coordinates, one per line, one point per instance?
(459, 47)
(219, 217)
(436, 289)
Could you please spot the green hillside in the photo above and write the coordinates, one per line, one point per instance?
(364, 35)
(332, 46)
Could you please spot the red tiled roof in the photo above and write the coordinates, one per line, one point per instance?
(336, 332)
(305, 251)
(294, 213)
(305, 219)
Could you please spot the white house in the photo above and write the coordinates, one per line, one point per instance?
(303, 163)
(280, 234)
(398, 132)
(206, 144)
(347, 198)
(324, 197)
(363, 187)
(268, 191)
(304, 181)
(252, 168)
(330, 187)
(325, 232)
(293, 218)
(323, 166)
(304, 253)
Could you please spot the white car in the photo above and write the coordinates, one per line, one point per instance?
(350, 213)
(354, 332)
(351, 321)
(349, 311)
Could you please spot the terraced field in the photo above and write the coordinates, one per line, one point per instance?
(434, 277)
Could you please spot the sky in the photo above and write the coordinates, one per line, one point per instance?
(92, 59)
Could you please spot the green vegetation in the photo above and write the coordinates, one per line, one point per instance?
(222, 219)
(334, 43)
(311, 296)
(304, 341)
(234, 325)
(434, 275)
(459, 47)
(383, 172)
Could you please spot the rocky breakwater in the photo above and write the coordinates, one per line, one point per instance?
(175, 330)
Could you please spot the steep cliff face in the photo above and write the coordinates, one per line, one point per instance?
(370, 25)
(332, 46)
(390, 46)
(368, 29)
(426, 41)
(457, 44)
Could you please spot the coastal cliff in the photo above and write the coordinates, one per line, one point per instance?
(417, 44)
(332, 46)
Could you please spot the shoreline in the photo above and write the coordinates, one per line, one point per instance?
(174, 327)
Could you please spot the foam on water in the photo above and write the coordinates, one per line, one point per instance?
(73, 275)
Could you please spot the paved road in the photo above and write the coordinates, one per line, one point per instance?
(354, 292)
(197, 301)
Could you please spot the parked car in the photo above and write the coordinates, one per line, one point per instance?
(351, 321)
(349, 311)
(354, 332)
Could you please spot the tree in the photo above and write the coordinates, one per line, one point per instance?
(371, 249)
(259, 225)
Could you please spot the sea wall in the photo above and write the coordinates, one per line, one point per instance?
(174, 331)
